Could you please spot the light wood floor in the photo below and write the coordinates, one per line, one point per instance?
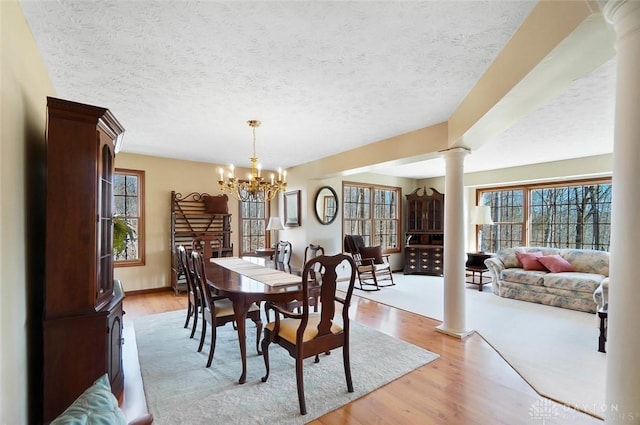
(469, 384)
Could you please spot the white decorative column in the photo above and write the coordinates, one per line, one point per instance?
(623, 339)
(454, 248)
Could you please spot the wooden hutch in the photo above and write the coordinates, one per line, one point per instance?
(82, 316)
(423, 250)
(193, 215)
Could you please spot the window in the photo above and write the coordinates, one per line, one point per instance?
(128, 218)
(253, 224)
(574, 215)
(372, 212)
(507, 212)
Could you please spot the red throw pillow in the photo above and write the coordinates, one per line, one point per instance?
(530, 261)
(556, 263)
(374, 252)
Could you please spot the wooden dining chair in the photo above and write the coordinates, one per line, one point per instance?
(194, 298)
(310, 252)
(209, 246)
(373, 267)
(218, 311)
(283, 256)
(179, 280)
(307, 334)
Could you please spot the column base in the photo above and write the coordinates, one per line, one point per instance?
(454, 333)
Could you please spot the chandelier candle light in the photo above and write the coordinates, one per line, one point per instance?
(255, 188)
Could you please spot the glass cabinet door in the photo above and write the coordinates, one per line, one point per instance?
(104, 281)
(433, 220)
(415, 216)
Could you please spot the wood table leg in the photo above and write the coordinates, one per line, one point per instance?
(602, 339)
(240, 313)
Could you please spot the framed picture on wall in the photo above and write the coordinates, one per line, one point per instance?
(292, 208)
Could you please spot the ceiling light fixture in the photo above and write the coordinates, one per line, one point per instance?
(255, 188)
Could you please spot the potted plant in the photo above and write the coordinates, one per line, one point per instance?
(122, 231)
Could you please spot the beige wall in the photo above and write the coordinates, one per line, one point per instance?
(330, 236)
(162, 175)
(25, 85)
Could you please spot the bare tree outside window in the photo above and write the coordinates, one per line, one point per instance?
(253, 224)
(372, 212)
(576, 215)
(128, 217)
(571, 217)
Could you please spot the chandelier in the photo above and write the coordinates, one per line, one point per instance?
(256, 188)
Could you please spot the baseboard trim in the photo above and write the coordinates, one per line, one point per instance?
(134, 401)
(148, 291)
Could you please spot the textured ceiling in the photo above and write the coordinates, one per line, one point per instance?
(183, 77)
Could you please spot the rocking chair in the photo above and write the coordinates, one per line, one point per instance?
(374, 270)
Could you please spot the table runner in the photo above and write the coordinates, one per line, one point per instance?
(262, 274)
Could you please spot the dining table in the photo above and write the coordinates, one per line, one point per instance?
(249, 280)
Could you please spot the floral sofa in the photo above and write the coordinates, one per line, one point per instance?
(577, 279)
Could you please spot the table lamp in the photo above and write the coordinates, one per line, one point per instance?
(274, 224)
(481, 217)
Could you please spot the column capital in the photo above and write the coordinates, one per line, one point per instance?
(455, 152)
(616, 10)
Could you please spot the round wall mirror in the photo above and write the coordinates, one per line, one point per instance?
(326, 205)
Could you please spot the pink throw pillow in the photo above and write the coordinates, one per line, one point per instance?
(530, 261)
(556, 263)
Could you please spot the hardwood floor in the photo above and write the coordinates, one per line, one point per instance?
(469, 384)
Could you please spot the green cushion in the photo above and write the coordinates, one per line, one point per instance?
(95, 406)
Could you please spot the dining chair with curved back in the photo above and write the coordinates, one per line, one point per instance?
(194, 298)
(178, 270)
(282, 257)
(218, 311)
(310, 252)
(209, 246)
(307, 334)
(373, 267)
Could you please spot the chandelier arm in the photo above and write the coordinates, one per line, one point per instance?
(256, 188)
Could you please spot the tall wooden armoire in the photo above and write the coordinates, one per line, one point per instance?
(82, 317)
(424, 250)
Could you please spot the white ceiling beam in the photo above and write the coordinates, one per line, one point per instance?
(560, 42)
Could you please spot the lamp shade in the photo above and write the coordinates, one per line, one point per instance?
(275, 224)
(482, 215)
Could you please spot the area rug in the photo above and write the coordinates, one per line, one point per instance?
(181, 390)
(553, 349)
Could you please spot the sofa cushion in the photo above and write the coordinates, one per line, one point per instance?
(556, 263)
(575, 281)
(587, 260)
(556, 297)
(508, 257)
(530, 261)
(519, 275)
(95, 406)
